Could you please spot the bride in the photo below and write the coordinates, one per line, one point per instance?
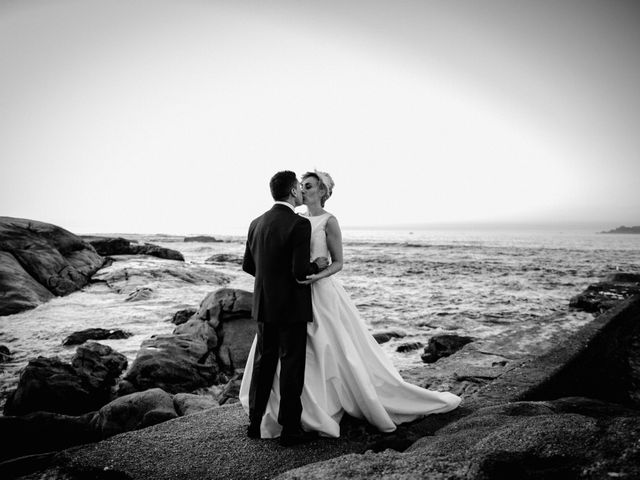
(346, 370)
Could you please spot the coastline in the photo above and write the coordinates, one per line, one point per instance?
(553, 387)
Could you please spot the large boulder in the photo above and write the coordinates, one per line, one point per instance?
(134, 411)
(101, 365)
(204, 350)
(40, 432)
(174, 363)
(39, 261)
(50, 385)
(122, 246)
(228, 312)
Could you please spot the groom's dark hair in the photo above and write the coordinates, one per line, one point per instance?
(282, 183)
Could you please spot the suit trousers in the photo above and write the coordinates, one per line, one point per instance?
(286, 342)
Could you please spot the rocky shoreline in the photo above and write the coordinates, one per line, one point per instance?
(572, 412)
(174, 414)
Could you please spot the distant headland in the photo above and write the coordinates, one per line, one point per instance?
(624, 229)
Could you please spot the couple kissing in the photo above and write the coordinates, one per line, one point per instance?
(313, 358)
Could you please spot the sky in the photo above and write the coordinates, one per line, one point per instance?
(166, 116)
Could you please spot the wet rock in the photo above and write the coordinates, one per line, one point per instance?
(134, 411)
(5, 354)
(101, 365)
(39, 261)
(384, 337)
(181, 316)
(214, 341)
(157, 251)
(50, 385)
(442, 346)
(156, 274)
(605, 295)
(122, 246)
(408, 347)
(224, 258)
(140, 294)
(174, 363)
(188, 403)
(77, 338)
(202, 238)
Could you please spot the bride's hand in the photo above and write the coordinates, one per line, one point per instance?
(310, 279)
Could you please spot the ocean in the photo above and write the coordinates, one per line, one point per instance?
(421, 283)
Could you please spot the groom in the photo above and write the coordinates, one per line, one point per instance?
(277, 255)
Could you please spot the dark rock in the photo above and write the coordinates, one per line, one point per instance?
(181, 316)
(47, 384)
(224, 258)
(408, 347)
(189, 403)
(174, 363)
(77, 338)
(214, 341)
(228, 311)
(442, 346)
(225, 304)
(603, 296)
(621, 277)
(101, 365)
(40, 432)
(231, 390)
(22, 290)
(201, 238)
(384, 337)
(5, 354)
(50, 385)
(134, 411)
(39, 261)
(140, 294)
(109, 245)
(122, 246)
(157, 251)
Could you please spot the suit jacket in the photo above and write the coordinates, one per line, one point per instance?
(277, 253)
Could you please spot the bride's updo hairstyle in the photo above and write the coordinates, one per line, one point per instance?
(324, 181)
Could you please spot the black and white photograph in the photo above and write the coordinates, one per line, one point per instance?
(296, 239)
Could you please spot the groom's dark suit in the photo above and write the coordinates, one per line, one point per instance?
(277, 253)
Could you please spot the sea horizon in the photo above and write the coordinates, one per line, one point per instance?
(458, 227)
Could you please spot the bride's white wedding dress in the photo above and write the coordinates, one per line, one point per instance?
(346, 370)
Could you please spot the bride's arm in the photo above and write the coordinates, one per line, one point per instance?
(334, 242)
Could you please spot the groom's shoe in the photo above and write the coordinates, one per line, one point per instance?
(253, 431)
(289, 438)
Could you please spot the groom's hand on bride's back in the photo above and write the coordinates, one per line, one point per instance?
(322, 263)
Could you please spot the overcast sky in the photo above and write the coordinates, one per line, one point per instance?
(171, 116)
